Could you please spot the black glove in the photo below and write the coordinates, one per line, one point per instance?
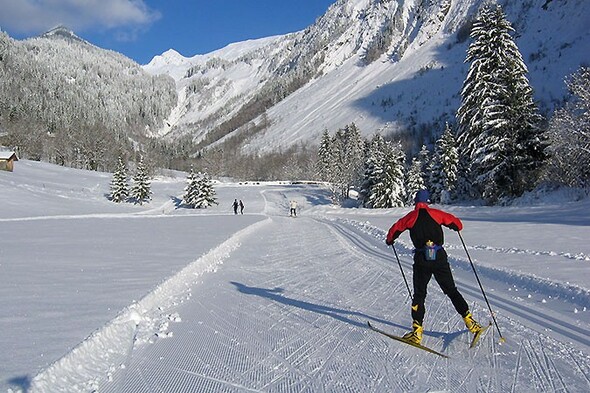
(389, 243)
(454, 227)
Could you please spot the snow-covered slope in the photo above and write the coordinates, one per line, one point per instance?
(385, 65)
(107, 297)
(211, 87)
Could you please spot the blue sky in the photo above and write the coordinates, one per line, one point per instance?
(141, 29)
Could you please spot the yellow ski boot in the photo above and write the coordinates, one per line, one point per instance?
(415, 336)
(471, 323)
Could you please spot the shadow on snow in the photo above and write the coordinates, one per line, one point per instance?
(346, 316)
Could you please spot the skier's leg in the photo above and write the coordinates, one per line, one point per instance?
(444, 278)
(420, 279)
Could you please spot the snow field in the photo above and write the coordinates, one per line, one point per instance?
(155, 298)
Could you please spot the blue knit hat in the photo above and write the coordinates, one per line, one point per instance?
(422, 196)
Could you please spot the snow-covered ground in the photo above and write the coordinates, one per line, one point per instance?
(97, 296)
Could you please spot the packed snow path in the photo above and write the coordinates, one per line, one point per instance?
(286, 311)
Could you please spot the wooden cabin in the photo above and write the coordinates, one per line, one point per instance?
(7, 159)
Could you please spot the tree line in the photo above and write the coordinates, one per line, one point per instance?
(500, 147)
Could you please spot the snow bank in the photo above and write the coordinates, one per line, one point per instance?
(109, 348)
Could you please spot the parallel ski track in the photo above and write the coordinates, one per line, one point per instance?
(575, 333)
(540, 368)
(322, 359)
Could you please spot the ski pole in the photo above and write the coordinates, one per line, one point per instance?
(402, 270)
(502, 339)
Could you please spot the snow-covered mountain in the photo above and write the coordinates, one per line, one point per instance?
(67, 101)
(387, 65)
(64, 33)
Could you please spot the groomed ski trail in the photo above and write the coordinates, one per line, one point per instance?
(287, 312)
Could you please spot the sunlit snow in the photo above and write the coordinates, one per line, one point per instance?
(98, 296)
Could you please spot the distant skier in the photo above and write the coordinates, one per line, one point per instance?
(236, 204)
(430, 258)
(293, 207)
(241, 207)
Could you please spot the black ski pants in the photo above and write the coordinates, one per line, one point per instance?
(441, 270)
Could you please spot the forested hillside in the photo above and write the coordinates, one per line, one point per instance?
(65, 101)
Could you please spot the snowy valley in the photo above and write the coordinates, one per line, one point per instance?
(108, 297)
(100, 296)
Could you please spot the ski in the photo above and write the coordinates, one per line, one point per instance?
(401, 339)
(478, 335)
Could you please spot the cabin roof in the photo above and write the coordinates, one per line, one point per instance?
(7, 155)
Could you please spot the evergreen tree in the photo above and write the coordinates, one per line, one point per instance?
(347, 158)
(373, 168)
(325, 158)
(498, 120)
(464, 189)
(389, 190)
(338, 180)
(192, 191)
(207, 195)
(141, 190)
(445, 164)
(415, 180)
(354, 156)
(449, 158)
(435, 176)
(119, 184)
(424, 158)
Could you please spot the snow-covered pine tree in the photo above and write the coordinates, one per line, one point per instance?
(207, 195)
(390, 191)
(415, 180)
(435, 175)
(338, 180)
(445, 163)
(119, 184)
(324, 166)
(373, 168)
(355, 156)
(141, 190)
(347, 158)
(569, 136)
(480, 103)
(424, 158)
(192, 190)
(464, 189)
(498, 120)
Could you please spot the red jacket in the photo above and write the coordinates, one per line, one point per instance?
(424, 224)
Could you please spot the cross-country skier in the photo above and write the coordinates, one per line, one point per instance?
(293, 208)
(430, 258)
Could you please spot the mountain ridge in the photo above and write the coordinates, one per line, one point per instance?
(390, 67)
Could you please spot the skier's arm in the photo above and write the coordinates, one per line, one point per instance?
(446, 219)
(401, 225)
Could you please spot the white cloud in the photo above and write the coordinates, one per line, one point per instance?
(37, 16)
